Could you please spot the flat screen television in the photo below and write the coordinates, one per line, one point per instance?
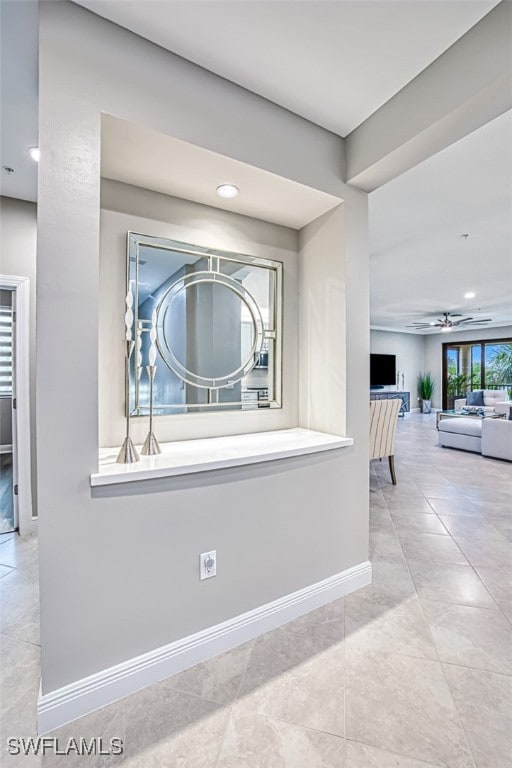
(382, 370)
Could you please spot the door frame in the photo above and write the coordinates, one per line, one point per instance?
(21, 287)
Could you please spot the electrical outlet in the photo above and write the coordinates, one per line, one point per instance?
(208, 564)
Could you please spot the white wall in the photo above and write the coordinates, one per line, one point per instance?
(409, 351)
(434, 350)
(18, 233)
(131, 208)
(119, 568)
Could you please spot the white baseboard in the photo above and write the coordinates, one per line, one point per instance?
(66, 704)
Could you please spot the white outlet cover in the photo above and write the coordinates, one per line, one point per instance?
(206, 572)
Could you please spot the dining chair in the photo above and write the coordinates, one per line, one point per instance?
(383, 421)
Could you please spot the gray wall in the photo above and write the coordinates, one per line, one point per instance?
(18, 233)
(409, 350)
(119, 570)
(434, 350)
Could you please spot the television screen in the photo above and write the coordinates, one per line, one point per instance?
(382, 370)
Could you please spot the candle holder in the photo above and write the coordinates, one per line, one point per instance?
(151, 447)
(128, 453)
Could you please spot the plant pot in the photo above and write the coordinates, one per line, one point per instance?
(426, 406)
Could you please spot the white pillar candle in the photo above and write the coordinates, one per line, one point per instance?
(152, 338)
(128, 316)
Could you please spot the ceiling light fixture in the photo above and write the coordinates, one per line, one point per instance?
(446, 329)
(432, 322)
(34, 153)
(227, 190)
(470, 295)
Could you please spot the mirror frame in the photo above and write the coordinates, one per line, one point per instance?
(215, 256)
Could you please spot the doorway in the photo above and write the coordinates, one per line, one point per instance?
(15, 461)
(8, 499)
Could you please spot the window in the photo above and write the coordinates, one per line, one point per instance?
(6, 351)
(498, 365)
(481, 364)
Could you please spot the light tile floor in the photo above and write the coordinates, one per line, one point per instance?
(412, 672)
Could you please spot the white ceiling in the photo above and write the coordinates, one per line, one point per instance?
(135, 155)
(333, 62)
(419, 263)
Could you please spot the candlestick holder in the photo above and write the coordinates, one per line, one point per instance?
(151, 447)
(128, 453)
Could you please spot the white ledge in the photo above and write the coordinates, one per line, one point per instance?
(189, 456)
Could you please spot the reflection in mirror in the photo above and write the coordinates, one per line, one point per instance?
(217, 317)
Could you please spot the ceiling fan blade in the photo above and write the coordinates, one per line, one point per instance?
(484, 320)
(454, 314)
(465, 320)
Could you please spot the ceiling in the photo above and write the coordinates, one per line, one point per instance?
(420, 265)
(334, 62)
(135, 155)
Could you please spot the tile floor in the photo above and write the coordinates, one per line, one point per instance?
(412, 672)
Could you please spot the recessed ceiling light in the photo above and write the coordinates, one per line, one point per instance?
(432, 322)
(470, 295)
(227, 190)
(34, 153)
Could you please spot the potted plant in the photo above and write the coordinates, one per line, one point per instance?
(426, 387)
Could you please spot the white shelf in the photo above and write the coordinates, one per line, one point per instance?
(190, 456)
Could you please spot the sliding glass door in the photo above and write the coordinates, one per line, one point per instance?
(481, 364)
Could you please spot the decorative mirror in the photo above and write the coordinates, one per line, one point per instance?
(212, 319)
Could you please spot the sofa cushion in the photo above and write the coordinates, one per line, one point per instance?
(493, 396)
(470, 426)
(475, 398)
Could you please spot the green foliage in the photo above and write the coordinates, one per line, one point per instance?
(457, 386)
(498, 369)
(426, 386)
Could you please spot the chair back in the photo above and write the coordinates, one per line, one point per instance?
(383, 421)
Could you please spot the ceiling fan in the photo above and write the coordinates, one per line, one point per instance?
(446, 323)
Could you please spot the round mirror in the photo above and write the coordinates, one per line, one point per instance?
(209, 330)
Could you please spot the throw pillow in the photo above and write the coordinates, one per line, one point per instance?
(475, 398)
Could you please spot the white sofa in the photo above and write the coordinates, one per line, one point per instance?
(497, 438)
(490, 437)
(462, 433)
(495, 401)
